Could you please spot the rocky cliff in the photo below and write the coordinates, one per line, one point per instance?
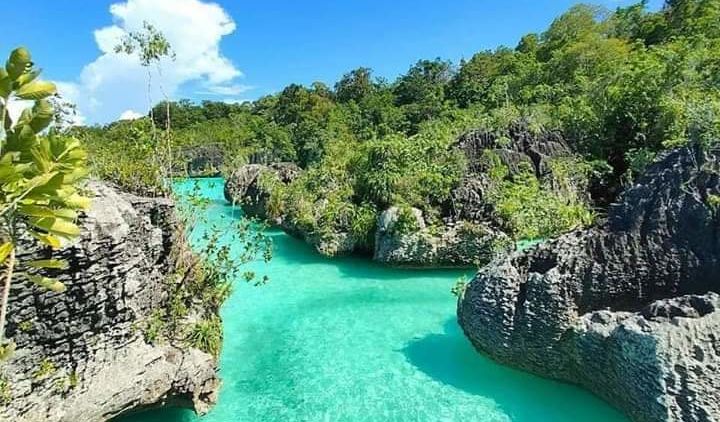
(455, 244)
(244, 187)
(81, 355)
(463, 232)
(628, 309)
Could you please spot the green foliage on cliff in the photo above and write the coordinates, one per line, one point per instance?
(40, 171)
(206, 335)
(534, 211)
(620, 85)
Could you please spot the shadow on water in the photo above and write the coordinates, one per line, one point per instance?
(446, 357)
(164, 415)
(449, 358)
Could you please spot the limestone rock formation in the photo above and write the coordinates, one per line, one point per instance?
(243, 186)
(467, 231)
(517, 146)
(81, 355)
(203, 160)
(453, 245)
(628, 309)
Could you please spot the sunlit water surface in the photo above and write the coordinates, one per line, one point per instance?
(348, 340)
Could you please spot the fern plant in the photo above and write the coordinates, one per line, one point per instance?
(39, 176)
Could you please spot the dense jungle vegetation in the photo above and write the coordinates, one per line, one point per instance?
(620, 86)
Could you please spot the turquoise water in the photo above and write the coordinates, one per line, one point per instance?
(348, 340)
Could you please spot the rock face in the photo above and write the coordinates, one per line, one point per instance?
(205, 160)
(81, 355)
(243, 186)
(517, 146)
(465, 233)
(628, 309)
(452, 245)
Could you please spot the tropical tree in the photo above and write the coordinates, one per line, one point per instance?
(39, 176)
(151, 46)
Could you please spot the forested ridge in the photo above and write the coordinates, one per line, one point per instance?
(618, 86)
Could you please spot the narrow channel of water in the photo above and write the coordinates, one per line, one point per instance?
(348, 340)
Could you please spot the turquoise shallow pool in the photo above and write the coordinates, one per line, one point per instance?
(348, 340)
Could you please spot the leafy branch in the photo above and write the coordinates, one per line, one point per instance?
(39, 176)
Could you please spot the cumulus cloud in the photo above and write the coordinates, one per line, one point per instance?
(15, 107)
(130, 115)
(115, 83)
(235, 89)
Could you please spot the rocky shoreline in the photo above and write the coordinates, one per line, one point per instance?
(628, 309)
(81, 355)
(467, 231)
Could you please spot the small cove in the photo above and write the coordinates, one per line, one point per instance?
(348, 340)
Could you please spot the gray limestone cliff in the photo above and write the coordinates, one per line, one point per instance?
(243, 186)
(463, 232)
(81, 355)
(628, 309)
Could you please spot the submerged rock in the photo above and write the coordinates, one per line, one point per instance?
(81, 355)
(626, 309)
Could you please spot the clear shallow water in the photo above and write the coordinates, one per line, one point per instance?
(348, 340)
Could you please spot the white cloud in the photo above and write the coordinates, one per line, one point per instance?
(114, 83)
(70, 93)
(234, 89)
(15, 107)
(130, 115)
(236, 101)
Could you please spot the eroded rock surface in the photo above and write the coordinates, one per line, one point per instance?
(455, 244)
(463, 232)
(244, 186)
(626, 309)
(81, 355)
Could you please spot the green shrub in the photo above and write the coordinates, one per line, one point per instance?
(5, 391)
(45, 369)
(154, 326)
(533, 211)
(206, 335)
(40, 175)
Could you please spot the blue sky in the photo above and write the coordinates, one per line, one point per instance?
(240, 49)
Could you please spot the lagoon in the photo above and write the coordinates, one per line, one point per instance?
(346, 339)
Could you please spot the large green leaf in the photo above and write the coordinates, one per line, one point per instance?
(47, 239)
(18, 63)
(36, 211)
(56, 226)
(8, 119)
(77, 201)
(48, 283)
(5, 250)
(43, 114)
(27, 77)
(36, 90)
(55, 264)
(5, 83)
(43, 211)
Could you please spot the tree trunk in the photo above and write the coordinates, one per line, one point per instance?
(6, 294)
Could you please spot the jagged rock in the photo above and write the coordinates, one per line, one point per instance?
(519, 150)
(517, 146)
(471, 232)
(456, 245)
(332, 244)
(243, 188)
(625, 309)
(81, 355)
(203, 160)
